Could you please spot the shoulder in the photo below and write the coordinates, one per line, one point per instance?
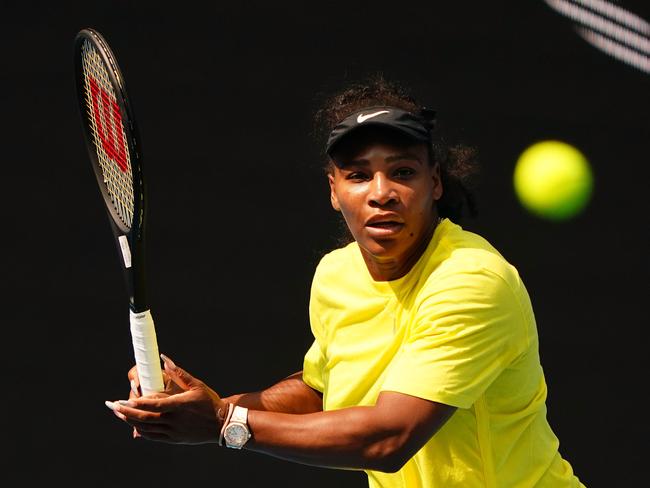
(337, 263)
(459, 252)
(465, 270)
(336, 280)
(474, 293)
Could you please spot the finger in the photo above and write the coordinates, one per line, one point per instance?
(136, 434)
(145, 429)
(167, 381)
(118, 414)
(158, 403)
(133, 374)
(179, 375)
(134, 381)
(129, 411)
(134, 393)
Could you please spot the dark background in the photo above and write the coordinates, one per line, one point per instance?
(239, 215)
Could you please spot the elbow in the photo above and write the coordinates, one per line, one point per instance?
(392, 465)
(387, 457)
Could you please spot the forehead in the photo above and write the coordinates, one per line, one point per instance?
(370, 139)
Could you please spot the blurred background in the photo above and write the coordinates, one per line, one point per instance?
(224, 93)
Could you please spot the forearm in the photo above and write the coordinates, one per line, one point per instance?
(290, 395)
(350, 438)
(380, 437)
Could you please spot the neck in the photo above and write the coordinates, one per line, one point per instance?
(393, 268)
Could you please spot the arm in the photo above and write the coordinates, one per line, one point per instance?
(290, 395)
(380, 437)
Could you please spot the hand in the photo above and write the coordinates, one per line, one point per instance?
(189, 417)
(171, 388)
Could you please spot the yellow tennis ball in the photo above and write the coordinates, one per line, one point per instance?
(553, 180)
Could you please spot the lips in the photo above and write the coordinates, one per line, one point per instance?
(383, 220)
(384, 225)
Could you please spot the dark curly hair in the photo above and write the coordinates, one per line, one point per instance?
(458, 163)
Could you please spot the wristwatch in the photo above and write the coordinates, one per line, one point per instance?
(236, 432)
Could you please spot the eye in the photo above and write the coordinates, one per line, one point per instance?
(356, 176)
(404, 172)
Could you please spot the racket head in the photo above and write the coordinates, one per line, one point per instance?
(110, 131)
(113, 144)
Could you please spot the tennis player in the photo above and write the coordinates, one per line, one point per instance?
(424, 370)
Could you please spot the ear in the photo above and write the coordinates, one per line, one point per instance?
(333, 198)
(437, 182)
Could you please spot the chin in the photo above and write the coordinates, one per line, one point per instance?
(384, 248)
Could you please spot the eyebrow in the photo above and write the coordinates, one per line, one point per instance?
(389, 159)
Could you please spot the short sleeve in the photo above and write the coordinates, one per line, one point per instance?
(467, 328)
(314, 361)
(312, 371)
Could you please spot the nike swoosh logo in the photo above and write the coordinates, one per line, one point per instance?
(363, 118)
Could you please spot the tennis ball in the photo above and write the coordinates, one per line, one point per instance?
(553, 180)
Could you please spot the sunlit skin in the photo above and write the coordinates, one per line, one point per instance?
(387, 195)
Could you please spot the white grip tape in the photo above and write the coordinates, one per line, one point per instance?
(145, 348)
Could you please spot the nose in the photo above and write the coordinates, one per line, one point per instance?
(381, 191)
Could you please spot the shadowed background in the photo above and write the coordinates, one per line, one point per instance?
(239, 215)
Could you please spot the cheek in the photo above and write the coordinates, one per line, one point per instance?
(351, 201)
(350, 212)
(421, 203)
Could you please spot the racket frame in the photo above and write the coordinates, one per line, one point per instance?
(135, 274)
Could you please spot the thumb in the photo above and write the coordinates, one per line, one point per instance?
(179, 375)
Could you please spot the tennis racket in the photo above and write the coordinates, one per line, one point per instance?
(113, 145)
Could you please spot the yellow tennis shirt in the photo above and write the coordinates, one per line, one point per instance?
(458, 329)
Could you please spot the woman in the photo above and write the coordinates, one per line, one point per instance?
(424, 370)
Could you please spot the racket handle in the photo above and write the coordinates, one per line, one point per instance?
(145, 348)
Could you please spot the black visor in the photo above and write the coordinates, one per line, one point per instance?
(417, 127)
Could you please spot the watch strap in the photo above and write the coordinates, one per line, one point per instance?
(239, 414)
(226, 420)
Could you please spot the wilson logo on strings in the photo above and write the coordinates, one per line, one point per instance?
(108, 121)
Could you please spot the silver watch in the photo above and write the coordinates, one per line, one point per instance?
(236, 432)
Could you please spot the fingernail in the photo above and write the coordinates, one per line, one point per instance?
(126, 403)
(134, 387)
(168, 361)
(110, 405)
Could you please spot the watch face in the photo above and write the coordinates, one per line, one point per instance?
(236, 435)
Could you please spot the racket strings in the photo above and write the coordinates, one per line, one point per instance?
(109, 138)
